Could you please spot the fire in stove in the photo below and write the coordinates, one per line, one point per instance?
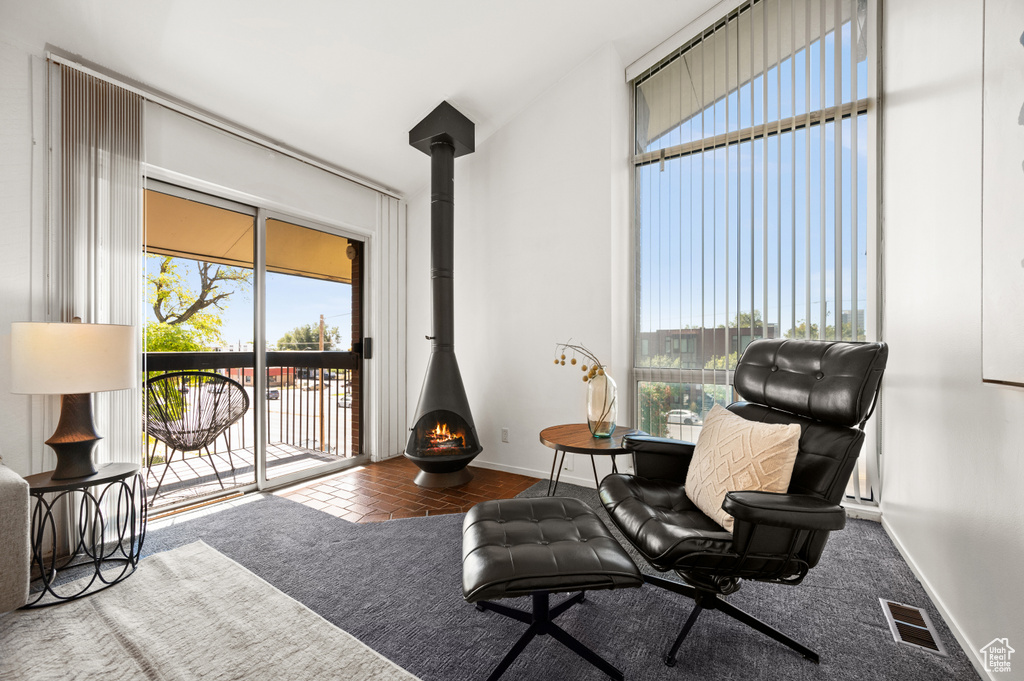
(441, 435)
(443, 438)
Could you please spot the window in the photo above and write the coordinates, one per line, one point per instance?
(751, 171)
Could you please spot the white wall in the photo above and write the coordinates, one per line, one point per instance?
(953, 466)
(20, 245)
(541, 255)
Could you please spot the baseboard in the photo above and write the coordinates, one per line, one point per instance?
(569, 477)
(951, 622)
(862, 511)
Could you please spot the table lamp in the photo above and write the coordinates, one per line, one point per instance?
(72, 360)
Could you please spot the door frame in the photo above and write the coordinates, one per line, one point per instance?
(261, 212)
(259, 340)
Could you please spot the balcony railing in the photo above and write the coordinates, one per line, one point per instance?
(312, 403)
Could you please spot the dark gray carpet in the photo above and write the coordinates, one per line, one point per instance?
(396, 586)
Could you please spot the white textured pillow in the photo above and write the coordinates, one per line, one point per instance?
(734, 454)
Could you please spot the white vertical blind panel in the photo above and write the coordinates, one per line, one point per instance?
(97, 230)
(383, 366)
(389, 419)
(390, 355)
(401, 373)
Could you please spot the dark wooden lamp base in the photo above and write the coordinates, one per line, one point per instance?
(74, 438)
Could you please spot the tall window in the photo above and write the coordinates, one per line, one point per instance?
(751, 162)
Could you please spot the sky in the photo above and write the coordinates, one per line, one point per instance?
(703, 250)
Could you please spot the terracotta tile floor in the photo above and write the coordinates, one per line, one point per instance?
(385, 490)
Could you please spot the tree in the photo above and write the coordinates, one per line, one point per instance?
(742, 320)
(655, 399)
(307, 337)
(722, 362)
(186, 320)
(830, 332)
(801, 330)
(162, 337)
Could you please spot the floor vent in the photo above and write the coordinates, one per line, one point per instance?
(911, 626)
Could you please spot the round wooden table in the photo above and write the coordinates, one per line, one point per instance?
(576, 438)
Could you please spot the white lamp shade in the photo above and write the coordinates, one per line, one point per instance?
(69, 359)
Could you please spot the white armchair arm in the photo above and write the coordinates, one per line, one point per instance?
(14, 538)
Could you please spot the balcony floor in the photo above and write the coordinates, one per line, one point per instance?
(193, 477)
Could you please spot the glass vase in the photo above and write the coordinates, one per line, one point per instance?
(602, 405)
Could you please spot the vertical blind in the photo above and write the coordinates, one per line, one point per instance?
(388, 403)
(96, 227)
(751, 164)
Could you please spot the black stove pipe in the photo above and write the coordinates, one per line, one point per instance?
(444, 134)
(442, 243)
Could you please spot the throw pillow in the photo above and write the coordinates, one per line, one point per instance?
(734, 454)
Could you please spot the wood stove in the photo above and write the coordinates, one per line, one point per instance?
(442, 438)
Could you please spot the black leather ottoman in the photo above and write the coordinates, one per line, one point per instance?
(519, 547)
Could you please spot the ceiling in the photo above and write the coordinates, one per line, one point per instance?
(344, 80)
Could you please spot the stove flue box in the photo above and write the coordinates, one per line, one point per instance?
(442, 438)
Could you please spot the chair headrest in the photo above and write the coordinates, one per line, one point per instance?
(833, 382)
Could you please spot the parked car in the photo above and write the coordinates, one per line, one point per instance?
(682, 417)
(273, 394)
(313, 384)
(345, 400)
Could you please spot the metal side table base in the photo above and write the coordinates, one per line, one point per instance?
(107, 513)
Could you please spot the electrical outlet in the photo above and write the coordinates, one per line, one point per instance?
(567, 463)
(504, 434)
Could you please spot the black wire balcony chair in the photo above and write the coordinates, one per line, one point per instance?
(188, 411)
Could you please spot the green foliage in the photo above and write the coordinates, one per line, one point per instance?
(189, 320)
(163, 337)
(830, 332)
(800, 331)
(662, 362)
(655, 401)
(729, 362)
(742, 320)
(307, 337)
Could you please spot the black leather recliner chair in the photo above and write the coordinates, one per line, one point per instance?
(829, 389)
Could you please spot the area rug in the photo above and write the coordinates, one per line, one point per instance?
(396, 586)
(190, 613)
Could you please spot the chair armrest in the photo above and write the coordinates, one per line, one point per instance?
(791, 511)
(660, 458)
(15, 558)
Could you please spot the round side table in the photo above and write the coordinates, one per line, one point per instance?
(576, 438)
(105, 516)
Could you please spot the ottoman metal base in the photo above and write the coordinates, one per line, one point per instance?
(540, 621)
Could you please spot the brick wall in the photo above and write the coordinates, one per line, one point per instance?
(357, 335)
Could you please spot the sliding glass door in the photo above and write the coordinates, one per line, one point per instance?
(275, 305)
(313, 293)
(199, 321)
